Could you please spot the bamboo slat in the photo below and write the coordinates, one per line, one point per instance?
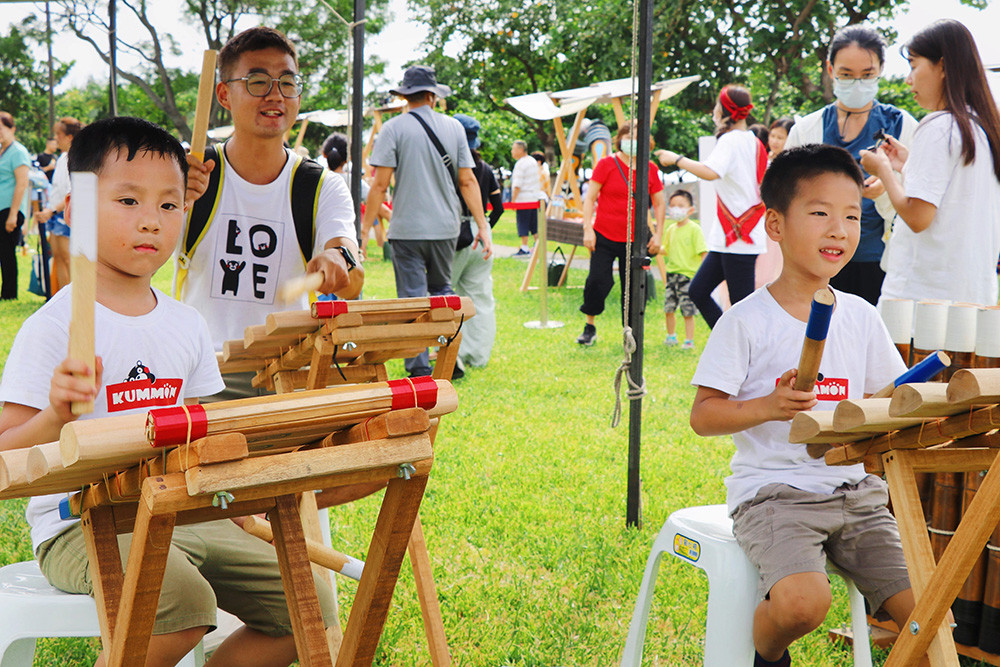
(869, 415)
(923, 400)
(980, 386)
(816, 427)
(13, 468)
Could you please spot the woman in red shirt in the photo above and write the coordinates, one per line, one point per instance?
(606, 232)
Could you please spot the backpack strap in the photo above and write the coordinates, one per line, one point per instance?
(306, 185)
(202, 211)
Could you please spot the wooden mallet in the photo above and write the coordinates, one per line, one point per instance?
(291, 290)
(318, 553)
(812, 346)
(83, 267)
(206, 93)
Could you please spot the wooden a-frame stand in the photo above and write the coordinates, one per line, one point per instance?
(127, 602)
(350, 341)
(923, 429)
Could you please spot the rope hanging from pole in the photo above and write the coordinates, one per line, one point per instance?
(629, 346)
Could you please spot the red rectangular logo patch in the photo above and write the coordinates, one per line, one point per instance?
(143, 394)
(831, 389)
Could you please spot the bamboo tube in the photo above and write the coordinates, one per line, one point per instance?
(989, 625)
(13, 468)
(112, 443)
(43, 459)
(960, 337)
(926, 399)
(319, 554)
(980, 386)
(206, 92)
(868, 414)
(298, 322)
(930, 322)
(816, 427)
(898, 317)
(968, 607)
(946, 510)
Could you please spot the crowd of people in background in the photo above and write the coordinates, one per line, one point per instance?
(915, 232)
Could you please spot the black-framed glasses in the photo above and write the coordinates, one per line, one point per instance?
(259, 84)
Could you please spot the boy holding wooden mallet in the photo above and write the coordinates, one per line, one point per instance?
(151, 352)
(791, 512)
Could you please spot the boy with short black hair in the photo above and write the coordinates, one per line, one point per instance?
(143, 339)
(685, 247)
(791, 512)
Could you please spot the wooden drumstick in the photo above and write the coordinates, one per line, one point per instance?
(83, 266)
(291, 290)
(812, 346)
(206, 93)
(318, 553)
(932, 364)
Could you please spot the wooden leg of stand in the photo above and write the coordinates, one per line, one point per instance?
(385, 555)
(956, 562)
(447, 355)
(919, 559)
(147, 560)
(105, 567)
(430, 608)
(300, 590)
(526, 283)
(309, 512)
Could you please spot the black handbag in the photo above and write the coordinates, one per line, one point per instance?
(556, 267)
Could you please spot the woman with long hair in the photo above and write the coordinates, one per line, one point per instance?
(735, 239)
(15, 162)
(607, 224)
(854, 121)
(947, 244)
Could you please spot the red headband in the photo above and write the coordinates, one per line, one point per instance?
(735, 112)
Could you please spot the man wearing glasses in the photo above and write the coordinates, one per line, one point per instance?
(250, 245)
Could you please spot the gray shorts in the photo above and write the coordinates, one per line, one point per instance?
(675, 295)
(785, 531)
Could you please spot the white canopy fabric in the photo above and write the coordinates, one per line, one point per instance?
(328, 117)
(542, 106)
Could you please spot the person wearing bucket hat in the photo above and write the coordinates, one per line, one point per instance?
(471, 273)
(428, 155)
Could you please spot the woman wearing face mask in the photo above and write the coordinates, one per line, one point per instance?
(854, 62)
(946, 241)
(606, 229)
(735, 238)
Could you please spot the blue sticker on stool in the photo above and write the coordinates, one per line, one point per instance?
(685, 547)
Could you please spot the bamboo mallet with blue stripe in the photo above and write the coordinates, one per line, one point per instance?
(812, 347)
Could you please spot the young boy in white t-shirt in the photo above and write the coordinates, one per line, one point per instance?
(144, 341)
(791, 512)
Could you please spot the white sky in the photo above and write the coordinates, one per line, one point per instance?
(400, 40)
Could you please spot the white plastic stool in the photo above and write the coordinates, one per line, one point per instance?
(30, 608)
(703, 536)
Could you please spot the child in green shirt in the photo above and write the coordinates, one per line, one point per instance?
(684, 246)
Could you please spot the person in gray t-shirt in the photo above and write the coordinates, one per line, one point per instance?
(425, 207)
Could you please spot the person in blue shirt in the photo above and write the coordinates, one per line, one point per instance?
(15, 162)
(855, 121)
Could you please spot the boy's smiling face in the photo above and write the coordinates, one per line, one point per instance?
(140, 212)
(819, 231)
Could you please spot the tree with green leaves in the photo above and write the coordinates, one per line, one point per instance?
(168, 95)
(26, 82)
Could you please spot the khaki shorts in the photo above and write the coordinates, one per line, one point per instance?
(210, 565)
(785, 531)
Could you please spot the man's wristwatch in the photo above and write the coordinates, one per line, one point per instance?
(348, 258)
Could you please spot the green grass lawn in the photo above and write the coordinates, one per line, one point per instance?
(525, 510)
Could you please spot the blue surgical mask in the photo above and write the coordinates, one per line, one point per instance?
(855, 93)
(628, 147)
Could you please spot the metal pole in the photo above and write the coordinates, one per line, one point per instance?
(113, 57)
(357, 111)
(637, 293)
(48, 45)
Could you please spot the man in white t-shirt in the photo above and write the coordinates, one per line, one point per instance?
(250, 245)
(792, 512)
(524, 187)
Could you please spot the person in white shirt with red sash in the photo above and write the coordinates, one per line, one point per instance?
(737, 164)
